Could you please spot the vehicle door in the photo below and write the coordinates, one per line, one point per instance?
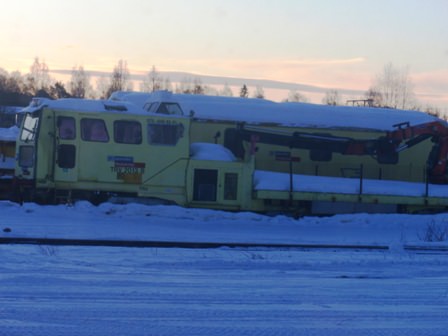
(65, 164)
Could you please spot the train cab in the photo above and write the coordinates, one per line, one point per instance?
(93, 146)
(87, 150)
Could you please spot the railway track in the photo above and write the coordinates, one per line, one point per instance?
(212, 245)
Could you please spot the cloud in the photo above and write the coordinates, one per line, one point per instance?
(315, 71)
(324, 62)
(251, 63)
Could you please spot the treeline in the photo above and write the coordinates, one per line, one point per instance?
(392, 88)
(18, 90)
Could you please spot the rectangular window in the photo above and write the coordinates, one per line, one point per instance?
(94, 130)
(165, 134)
(205, 183)
(127, 132)
(150, 107)
(169, 108)
(230, 186)
(66, 156)
(26, 156)
(66, 128)
(29, 128)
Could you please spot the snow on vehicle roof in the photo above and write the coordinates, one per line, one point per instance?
(9, 134)
(84, 105)
(259, 111)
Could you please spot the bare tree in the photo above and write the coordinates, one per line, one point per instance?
(102, 87)
(331, 98)
(210, 91)
(295, 96)
(374, 97)
(79, 84)
(120, 78)
(38, 79)
(185, 86)
(198, 87)
(190, 86)
(152, 82)
(167, 84)
(259, 92)
(226, 91)
(394, 87)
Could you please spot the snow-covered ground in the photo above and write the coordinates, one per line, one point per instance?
(73, 290)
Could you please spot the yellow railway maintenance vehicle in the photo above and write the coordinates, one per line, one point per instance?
(71, 149)
(84, 149)
(319, 140)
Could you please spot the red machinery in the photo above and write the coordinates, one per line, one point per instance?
(385, 149)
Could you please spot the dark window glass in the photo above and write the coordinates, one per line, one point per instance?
(94, 130)
(26, 156)
(127, 132)
(165, 134)
(150, 107)
(169, 108)
(230, 186)
(234, 141)
(66, 128)
(205, 182)
(66, 156)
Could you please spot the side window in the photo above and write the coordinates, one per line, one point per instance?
(230, 186)
(150, 107)
(94, 130)
(169, 108)
(165, 134)
(29, 128)
(66, 128)
(205, 185)
(127, 132)
(26, 156)
(66, 156)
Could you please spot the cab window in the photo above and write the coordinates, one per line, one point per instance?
(94, 130)
(29, 128)
(127, 132)
(66, 128)
(150, 107)
(169, 108)
(165, 134)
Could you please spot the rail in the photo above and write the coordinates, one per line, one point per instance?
(213, 245)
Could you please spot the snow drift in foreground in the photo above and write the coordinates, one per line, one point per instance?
(63, 290)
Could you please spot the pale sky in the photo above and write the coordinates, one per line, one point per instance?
(328, 43)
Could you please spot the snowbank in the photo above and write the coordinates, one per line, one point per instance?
(208, 151)
(9, 134)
